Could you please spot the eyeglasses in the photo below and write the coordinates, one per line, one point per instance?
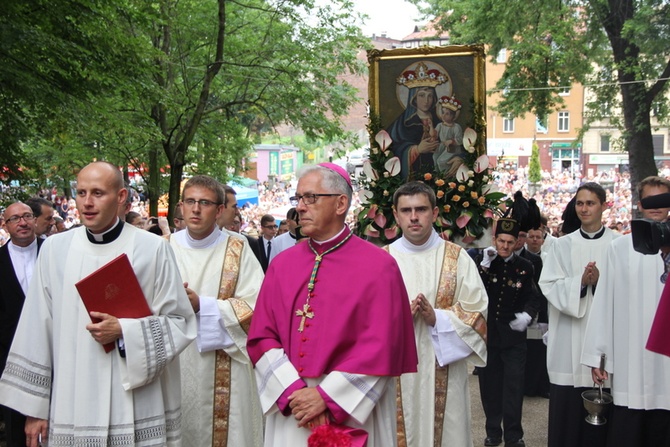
(309, 199)
(203, 203)
(270, 227)
(28, 217)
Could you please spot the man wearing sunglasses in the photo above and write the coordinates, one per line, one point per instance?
(17, 259)
(265, 240)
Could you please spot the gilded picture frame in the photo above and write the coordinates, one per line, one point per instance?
(454, 77)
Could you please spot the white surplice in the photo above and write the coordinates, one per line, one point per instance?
(568, 311)
(369, 401)
(56, 371)
(200, 264)
(451, 342)
(621, 316)
(281, 243)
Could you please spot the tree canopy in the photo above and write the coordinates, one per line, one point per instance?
(618, 48)
(169, 85)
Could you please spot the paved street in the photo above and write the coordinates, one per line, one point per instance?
(535, 412)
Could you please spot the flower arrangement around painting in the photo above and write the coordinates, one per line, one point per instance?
(467, 201)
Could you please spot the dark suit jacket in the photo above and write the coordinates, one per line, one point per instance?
(11, 302)
(262, 255)
(535, 260)
(253, 243)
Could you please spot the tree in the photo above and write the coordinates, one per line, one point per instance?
(172, 85)
(534, 171)
(555, 44)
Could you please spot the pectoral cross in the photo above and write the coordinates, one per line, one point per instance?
(305, 313)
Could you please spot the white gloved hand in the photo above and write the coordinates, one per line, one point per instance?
(488, 255)
(545, 338)
(521, 322)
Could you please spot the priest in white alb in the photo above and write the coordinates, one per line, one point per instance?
(624, 307)
(59, 375)
(449, 304)
(222, 278)
(570, 277)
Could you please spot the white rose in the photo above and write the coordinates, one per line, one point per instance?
(471, 182)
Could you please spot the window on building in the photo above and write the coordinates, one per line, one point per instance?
(502, 56)
(604, 143)
(563, 121)
(508, 124)
(658, 141)
(564, 91)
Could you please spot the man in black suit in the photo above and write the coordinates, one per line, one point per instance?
(17, 259)
(268, 232)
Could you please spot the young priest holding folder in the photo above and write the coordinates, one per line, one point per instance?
(57, 368)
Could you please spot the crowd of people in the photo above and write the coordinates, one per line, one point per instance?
(262, 335)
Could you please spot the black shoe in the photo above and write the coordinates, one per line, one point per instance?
(518, 443)
(491, 441)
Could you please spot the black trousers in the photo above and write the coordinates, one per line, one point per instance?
(15, 426)
(567, 424)
(537, 378)
(501, 388)
(640, 428)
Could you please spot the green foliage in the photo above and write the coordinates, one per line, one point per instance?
(619, 47)
(187, 84)
(467, 200)
(534, 170)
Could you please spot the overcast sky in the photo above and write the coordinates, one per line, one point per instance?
(396, 18)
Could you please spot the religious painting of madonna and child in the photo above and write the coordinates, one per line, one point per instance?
(425, 98)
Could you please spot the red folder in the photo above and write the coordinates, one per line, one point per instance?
(113, 289)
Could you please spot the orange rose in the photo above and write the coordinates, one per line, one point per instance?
(466, 204)
(440, 194)
(455, 198)
(446, 208)
(461, 188)
(427, 176)
(482, 200)
(474, 194)
(452, 185)
(439, 182)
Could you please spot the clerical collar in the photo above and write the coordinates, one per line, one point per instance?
(18, 249)
(108, 236)
(331, 239)
(323, 246)
(433, 241)
(595, 235)
(206, 242)
(518, 252)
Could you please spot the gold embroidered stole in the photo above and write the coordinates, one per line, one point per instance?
(446, 290)
(222, 376)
